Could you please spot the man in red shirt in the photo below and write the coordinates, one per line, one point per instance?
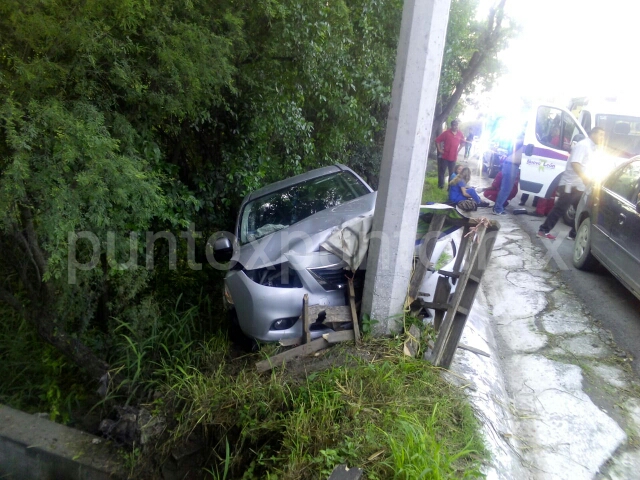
(448, 145)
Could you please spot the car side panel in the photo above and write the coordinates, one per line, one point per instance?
(626, 234)
(605, 211)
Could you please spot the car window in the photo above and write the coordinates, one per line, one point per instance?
(549, 127)
(626, 182)
(569, 131)
(586, 120)
(622, 134)
(278, 210)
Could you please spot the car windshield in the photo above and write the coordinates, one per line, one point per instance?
(622, 134)
(280, 209)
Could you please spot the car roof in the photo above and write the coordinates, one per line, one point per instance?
(287, 182)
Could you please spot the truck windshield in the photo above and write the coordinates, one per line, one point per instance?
(622, 134)
(280, 209)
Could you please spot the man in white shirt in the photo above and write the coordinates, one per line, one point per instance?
(573, 182)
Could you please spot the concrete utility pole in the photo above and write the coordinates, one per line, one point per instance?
(404, 160)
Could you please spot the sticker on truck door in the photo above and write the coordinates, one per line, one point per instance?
(547, 143)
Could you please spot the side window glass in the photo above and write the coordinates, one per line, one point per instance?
(586, 120)
(569, 131)
(626, 183)
(549, 127)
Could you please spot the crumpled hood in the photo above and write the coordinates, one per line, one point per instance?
(303, 237)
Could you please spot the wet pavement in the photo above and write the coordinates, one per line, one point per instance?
(558, 399)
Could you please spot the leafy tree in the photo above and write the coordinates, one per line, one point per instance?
(470, 59)
(128, 115)
(89, 91)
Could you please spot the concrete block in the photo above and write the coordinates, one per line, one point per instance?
(35, 448)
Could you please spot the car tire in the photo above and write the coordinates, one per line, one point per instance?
(582, 257)
(569, 217)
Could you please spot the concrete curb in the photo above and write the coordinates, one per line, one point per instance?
(486, 388)
(35, 448)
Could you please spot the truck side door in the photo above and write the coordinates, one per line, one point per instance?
(547, 143)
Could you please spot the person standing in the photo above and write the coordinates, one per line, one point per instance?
(448, 144)
(573, 182)
(510, 168)
(467, 144)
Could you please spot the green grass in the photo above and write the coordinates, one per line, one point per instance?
(431, 192)
(391, 415)
(373, 408)
(38, 378)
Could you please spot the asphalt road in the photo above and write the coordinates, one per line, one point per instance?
(609, 302)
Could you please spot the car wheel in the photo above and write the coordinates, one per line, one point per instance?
(570, 216)
(583, 259)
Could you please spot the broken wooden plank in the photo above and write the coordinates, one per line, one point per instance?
(354, 314)
(424, 255)
(412, 343)
(463, 248)
(302, 350)
(462, 346)
(289, 342)
(333, 314)
(342, 472)
(435, 305)
(440, 297)
(446, 343)
(341, 336)
(306, 332)
(455, 319)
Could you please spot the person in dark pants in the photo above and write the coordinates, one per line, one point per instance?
(448, 144)
(510, 169)
(467, 144)
(573, 182)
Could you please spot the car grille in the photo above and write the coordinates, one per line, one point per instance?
(330, 278)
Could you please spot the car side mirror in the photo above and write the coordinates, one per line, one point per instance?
(528, 150)
(222, 250)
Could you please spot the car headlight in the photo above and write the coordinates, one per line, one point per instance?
(280, 276)
(330, 278)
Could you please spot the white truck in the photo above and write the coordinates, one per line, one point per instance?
(552, 130)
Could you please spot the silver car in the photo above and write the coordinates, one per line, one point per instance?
(277, 254)
(279, 232)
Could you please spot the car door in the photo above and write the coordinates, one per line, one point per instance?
(547, 143)
(619, 217)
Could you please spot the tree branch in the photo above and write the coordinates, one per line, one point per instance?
(10, 300)
(32, 238)
(487, 45)
(25, 244)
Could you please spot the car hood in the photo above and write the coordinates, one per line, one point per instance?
(304, 237)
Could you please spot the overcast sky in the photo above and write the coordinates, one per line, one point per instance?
(570, 48)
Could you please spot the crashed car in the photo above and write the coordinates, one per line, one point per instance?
(280, 251)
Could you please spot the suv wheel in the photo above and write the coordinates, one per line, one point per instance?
(583, 259)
